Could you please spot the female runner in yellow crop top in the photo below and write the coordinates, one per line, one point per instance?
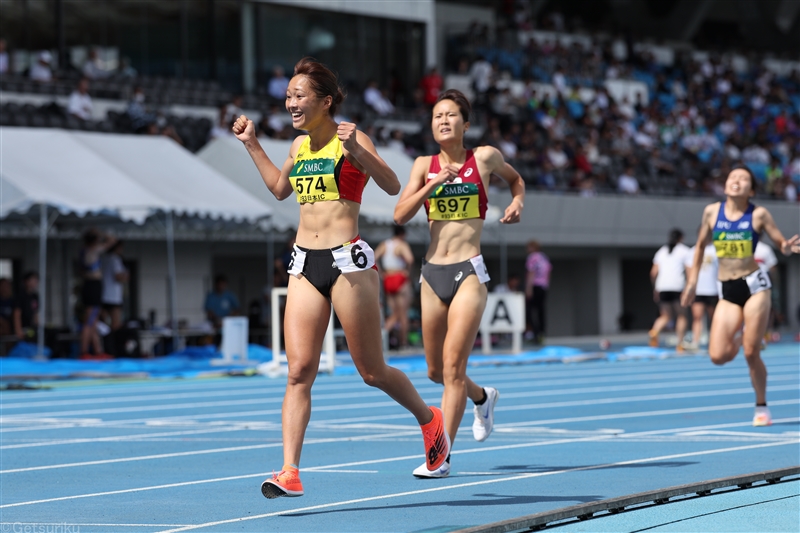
(331, 265)
(734, 225)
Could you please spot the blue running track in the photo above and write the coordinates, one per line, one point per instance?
(181, 455)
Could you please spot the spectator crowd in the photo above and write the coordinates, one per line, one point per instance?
(549, 99)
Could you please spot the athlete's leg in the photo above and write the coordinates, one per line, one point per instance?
(434, 330)
(680, 321)
(698, 314)
(89, 331)
(391, 320)
(305, 324)
(756, 317)
(723, 341)
(463, 321)
(404, 298)
(664, 309)
(355, 299)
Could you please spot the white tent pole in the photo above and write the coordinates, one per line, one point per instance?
(173, 278)
(42, 278)
(503, 256)
(271, 258)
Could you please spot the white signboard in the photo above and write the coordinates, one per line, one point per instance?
(504, 313)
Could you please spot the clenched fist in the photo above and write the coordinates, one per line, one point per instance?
(448, 173)
(347, 134)
(244, 129)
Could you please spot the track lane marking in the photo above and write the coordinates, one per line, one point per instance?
(532, 394)
(403, 458)
(260, 389)
(474, 484)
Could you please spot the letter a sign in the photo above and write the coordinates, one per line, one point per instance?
(504, 313)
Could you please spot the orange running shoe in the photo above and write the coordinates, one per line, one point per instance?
(437, 441)
(285, 483)
(653, 339)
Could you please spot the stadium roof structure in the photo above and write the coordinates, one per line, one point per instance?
(129, 176)
(227, 155)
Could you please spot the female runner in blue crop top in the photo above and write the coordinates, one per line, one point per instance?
(734, 227)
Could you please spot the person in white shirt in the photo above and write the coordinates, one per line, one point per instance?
(94, 68)
(767, 261)
(707, 293)
(668, 275)
(114, 277)
(375, 98)
(278, 83)
(765, 257)
(80, 103)
(41, 71)
(481, 74)
(627, 183)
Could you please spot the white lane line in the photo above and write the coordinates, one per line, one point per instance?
(138, 489)
(675, 396)
(264, 389)
(402, 458)
(641, 386)
(361, 394)
(125, 438)
(323, 408)
(662, 412)
(328, 470)
(541, 372)
(206, 451)
(475, 484)
(570, 419)
(65, 526)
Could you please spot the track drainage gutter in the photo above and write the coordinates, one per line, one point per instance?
(585, 511)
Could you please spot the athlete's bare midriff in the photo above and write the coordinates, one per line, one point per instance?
(327, 224)
(732, 267)
(454, 241)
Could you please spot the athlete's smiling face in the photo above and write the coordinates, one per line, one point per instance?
(306, 107)
(448, 123)
(739, 184)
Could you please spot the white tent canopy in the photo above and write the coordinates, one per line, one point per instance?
(131, 176)
(52, 167)
(228, 156)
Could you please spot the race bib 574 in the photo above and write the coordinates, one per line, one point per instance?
(313, 181)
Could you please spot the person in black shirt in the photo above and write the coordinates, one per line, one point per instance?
(26, 307)
(6, 307)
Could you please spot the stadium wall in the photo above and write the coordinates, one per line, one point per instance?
(601, 249)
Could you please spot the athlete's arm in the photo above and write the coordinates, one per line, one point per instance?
(276, 180)
(417, 190)
(703, 238)
(17, 318)
(787, 247)
(404, 251)
(379, 251)
(106, 244)
(358, 146)
(499, 167)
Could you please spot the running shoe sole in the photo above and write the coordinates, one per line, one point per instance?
(422, 471)
(272, 490)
